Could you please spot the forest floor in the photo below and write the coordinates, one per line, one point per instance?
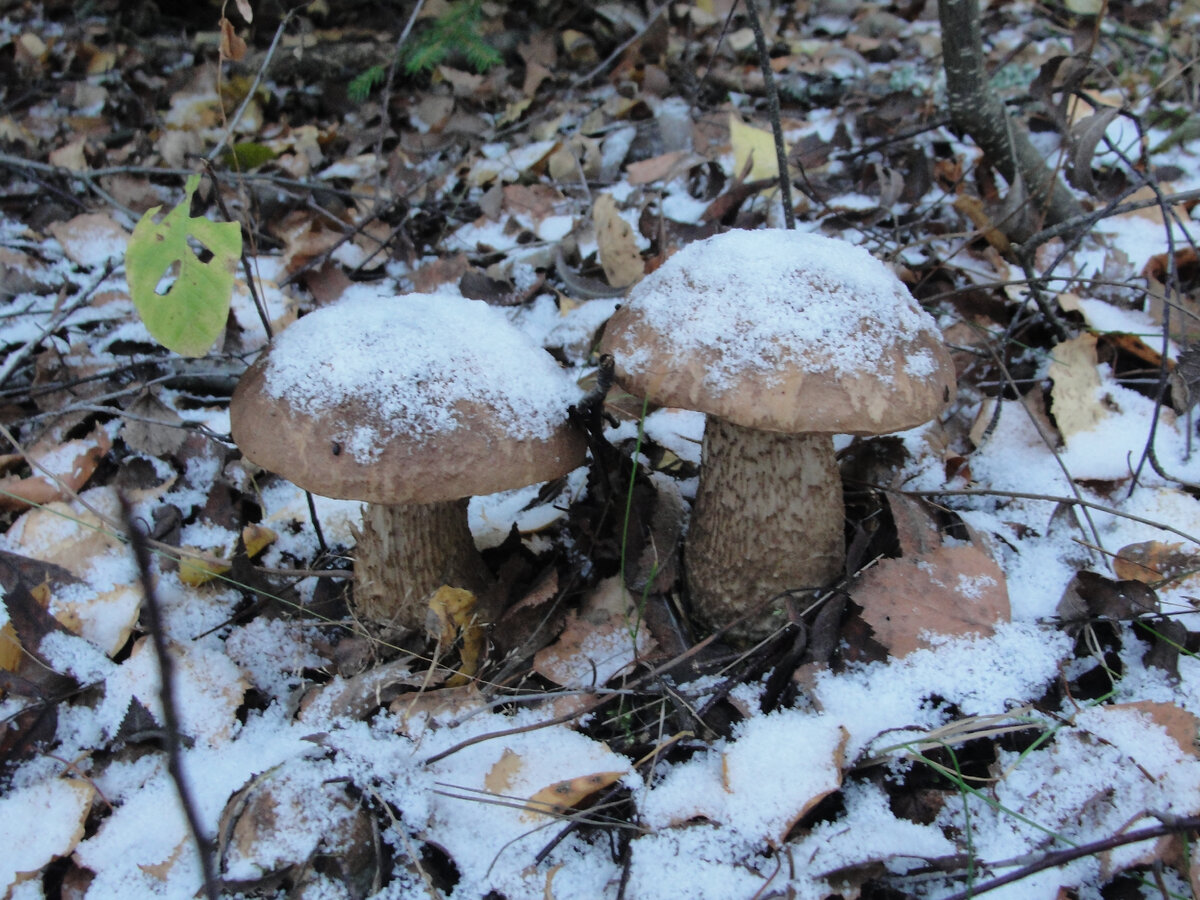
(1006, 685)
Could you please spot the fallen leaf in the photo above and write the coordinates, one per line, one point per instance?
(1074, 398)
(503, 774)
(754, 147)
(618, 251)
(949, 591)
(558, 798)
(597, 643)
(191, 313)
(58, 472)
(91, 240)
(1154, 561)
(1179, 724)
(1090, 596)
(455, 612)
(40, 823)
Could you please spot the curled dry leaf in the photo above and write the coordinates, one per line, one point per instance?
(511, 771)
(1091, 596)
(282, 818)
(950, 591)
(556, 799)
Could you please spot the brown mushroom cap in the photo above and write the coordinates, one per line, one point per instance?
(413, 399)
(782, 331)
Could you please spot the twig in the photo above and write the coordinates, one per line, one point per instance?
(616, 54)
(166, 669)
(251, 284)
(249, 98)
(781, 160)
(1061, 857)
(1048, 498)
(17, 357)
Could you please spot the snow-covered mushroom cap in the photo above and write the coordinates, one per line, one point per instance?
(410, 399)
(782, 331)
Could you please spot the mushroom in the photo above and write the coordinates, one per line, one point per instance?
(782, 339)
(412, 404)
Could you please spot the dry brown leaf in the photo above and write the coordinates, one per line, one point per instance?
(70, 156)
(1153, 561)
(597, 643)
(950, 591)
(916, 527)
(232, 46)
(91, 239)
(617, 249)
(503, 774)
(1181, 725)
(152, 427)
(59, 471)
(660, 168)
(442, 271)
(1075, 397)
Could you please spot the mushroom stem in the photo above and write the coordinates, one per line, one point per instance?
(768, 518)
(405, 553)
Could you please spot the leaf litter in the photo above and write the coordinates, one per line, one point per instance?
(1062, 715)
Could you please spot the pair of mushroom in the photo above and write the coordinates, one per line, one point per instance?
(416, 403)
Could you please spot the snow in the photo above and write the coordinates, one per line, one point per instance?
(761, 302)
(415, 359)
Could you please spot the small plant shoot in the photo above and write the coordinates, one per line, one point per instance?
(455, 31)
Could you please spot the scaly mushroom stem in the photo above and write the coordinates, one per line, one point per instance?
(405, 553)
(768, 518)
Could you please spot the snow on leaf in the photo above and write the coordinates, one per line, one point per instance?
(947, 591)
(40, 823)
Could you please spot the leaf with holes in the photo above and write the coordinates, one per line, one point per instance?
(183, 300)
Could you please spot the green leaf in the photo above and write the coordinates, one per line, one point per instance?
(250, 155)
(191, 313)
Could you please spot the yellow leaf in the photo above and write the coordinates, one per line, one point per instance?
(257, 538)
(754, 146)
(558, 798)
(10, 648)
(196, 570)
(454, 609)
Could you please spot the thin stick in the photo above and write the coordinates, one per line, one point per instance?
(17, 357)
(764, 61)
(1048, 498)
(166, 668)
